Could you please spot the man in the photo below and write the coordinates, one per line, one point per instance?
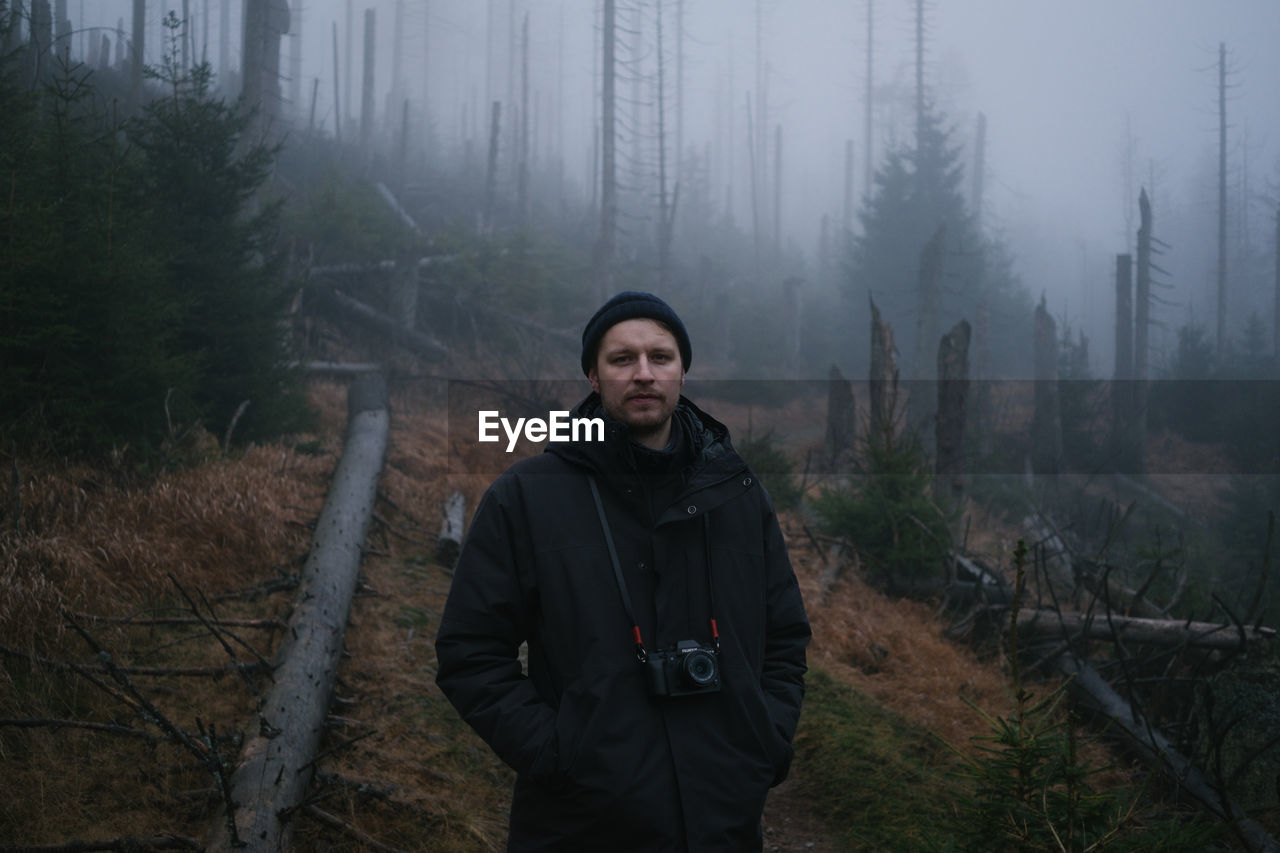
(666, 634)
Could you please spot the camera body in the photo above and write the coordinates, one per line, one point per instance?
(688, 669)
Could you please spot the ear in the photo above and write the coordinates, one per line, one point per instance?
(595, 380)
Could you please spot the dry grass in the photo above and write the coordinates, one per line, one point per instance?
(94, 543)
(399, 765)
(894, 651)
(85, 543)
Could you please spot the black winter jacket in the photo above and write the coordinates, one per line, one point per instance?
(601, 764)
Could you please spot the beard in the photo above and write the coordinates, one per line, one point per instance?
(646, 411)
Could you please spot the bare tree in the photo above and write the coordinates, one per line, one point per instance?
(137, 53)
(666, 211)
(522, 175)
(370, 62)
(491, 176)
(1221, 197)
(848, 187)
(606, 244)
(979, 168)
(224, 36)
(1122, 378)
(337, 90)
(868, 101)
(1046, 421)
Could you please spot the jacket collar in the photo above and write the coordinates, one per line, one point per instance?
(711, 454)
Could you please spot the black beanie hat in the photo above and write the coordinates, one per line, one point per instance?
(628, 305)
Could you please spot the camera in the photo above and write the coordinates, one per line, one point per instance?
(688, 669)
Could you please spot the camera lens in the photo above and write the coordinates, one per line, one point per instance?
(699, 667)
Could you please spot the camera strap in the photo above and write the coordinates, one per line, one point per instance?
(641, 654)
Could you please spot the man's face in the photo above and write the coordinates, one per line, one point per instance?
(638, 375)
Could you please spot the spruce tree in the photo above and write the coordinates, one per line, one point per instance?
(215, 236)
(917, 189)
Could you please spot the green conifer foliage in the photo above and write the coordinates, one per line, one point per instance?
(139, 285)
(85, 343)
(917, 189)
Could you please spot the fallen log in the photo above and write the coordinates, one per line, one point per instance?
(275, 764)
(449, 542)
(1101, 587)
(398, 209)
(411, 339)
(1092, 690)
(1171, 632)
(340, 368)
(125, 844)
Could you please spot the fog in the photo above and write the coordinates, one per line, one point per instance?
(1086, 102)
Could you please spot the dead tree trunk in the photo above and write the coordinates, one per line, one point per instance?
(777, 192)
(522, 166)
(922, 399)
(883, 381)
(1135, 629)
(953, 392)
(337, 90)
(1141, 336)
(396, 331)
(1122, 379)
(607, 241)
(1222, 199)
(982, 418)
(755, 188)
(224, 37)
(366, 92)
(979, 167)
(449, 542)
(275, 765)
(841, 418)
(792, 317)
(848, 190)
(1156, 749)
(137, 51)
(868, 103)
(1046, 421)
(491, 176)
(403, 298)
(664, 215)
(928, 297)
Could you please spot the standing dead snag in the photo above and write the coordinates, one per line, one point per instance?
(953, 392)
(883, 380)
(1046, 423)
(276, 763)
(1122, 449)
(920, 404)
(1141, 337)
(841, 419)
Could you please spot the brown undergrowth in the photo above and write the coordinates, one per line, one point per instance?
(398, 765)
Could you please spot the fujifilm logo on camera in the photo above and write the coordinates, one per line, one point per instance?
(686, 670)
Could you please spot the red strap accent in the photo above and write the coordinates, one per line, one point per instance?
(635, 635)
(715, 632)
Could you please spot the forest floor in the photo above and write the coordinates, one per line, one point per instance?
(398, 766)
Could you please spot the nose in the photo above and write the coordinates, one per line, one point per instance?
(644, 370)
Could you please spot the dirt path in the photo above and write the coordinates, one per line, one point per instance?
(791, 824)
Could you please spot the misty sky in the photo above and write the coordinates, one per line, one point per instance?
(1078, 94)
